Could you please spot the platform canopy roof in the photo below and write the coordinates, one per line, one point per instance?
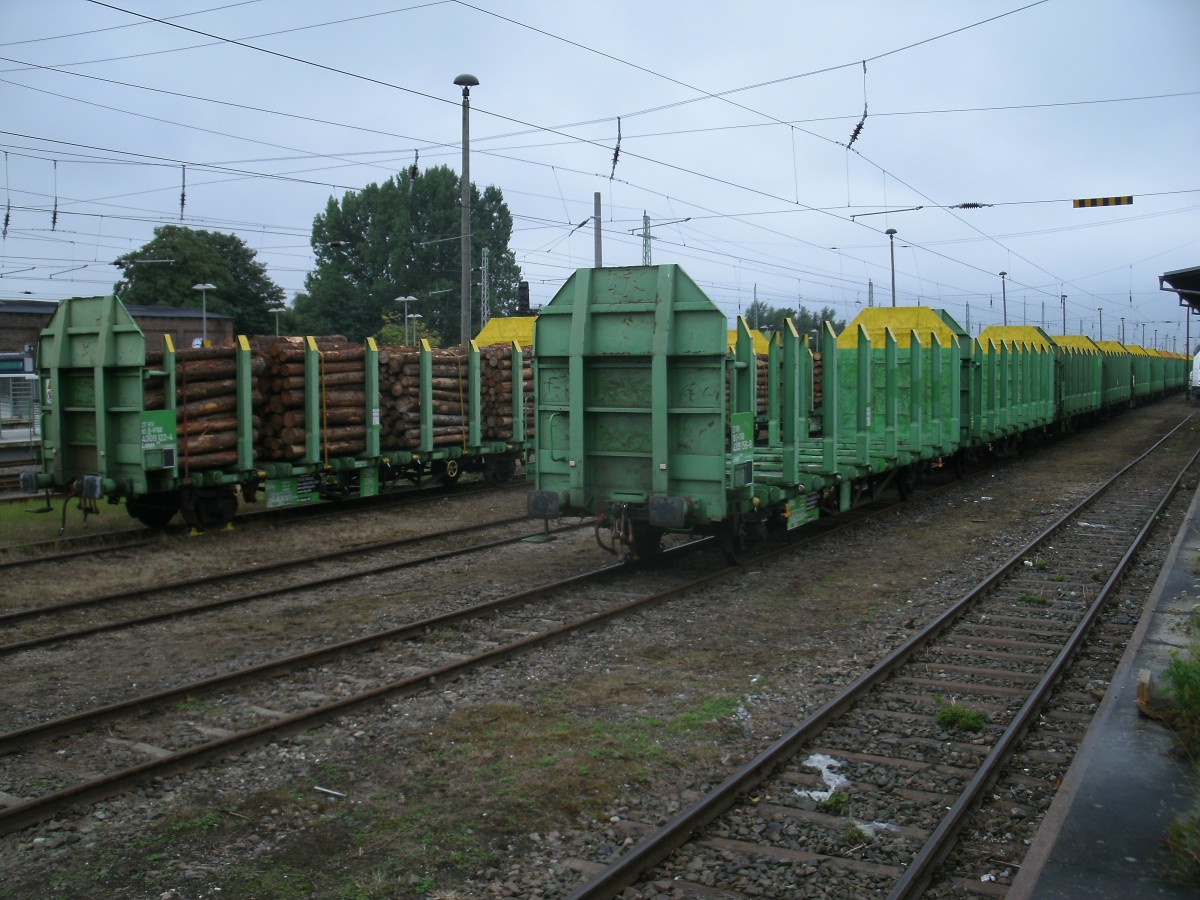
(1185, 283)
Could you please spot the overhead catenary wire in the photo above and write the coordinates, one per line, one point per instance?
(674, 193)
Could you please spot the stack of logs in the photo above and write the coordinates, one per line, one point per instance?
(496, 390)
(206, 404)
(400, 397)
(342, 402)
(206, 398)
(400, 401)
(762, 384)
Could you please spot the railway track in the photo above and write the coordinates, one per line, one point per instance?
(62, 549)
(41, 626)
(160, 733)
(870, 793)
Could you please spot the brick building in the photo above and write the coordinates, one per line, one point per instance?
(21, 321)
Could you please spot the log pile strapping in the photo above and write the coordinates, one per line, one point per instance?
(341, 406)
(496, 391)
(400, 397)
(205, 404)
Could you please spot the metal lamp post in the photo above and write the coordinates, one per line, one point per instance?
(204, 289)
(891, 233)
(405, 300)
(277, 314)
(1004, 294)
(406, 318)
(466, 82)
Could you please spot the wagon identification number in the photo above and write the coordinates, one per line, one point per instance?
(158, 429)
(741, 437)
(741, 448)
(292, 491)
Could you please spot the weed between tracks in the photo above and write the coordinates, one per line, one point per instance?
(957, 717)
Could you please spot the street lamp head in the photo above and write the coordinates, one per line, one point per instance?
(890, 231)
(1002, 274)
(204, 287)
(466, 82)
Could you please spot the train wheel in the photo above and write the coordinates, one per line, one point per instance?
(153, 510)
(733, 540)
(499, 470)
(647, 541)
(448, 472)
(205, 508)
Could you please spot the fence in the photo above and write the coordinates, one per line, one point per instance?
(19, 404)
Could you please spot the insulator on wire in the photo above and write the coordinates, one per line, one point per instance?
(854, 134)
(971, 205)
(616, 151)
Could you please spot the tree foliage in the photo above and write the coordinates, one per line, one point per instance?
(163, 271)
(402, 239)
(763, 317)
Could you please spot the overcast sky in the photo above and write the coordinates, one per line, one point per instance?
(735, 117)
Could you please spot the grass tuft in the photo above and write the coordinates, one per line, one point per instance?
(1182, 682)
(959, 718)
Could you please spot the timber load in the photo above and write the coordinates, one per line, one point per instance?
(205, 403)
(400, 397)
(341, 397)
(496, 391)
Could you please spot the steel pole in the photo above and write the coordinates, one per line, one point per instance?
(466, 82)
(596, 222)
(1004, 294)
(891, 233)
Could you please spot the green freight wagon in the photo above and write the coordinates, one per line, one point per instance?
(123, 422)
(632, 423)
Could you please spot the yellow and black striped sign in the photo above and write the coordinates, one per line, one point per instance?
(1103, 201)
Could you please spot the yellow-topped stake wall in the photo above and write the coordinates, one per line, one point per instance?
(902, 320)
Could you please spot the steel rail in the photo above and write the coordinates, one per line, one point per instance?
(920, 871)
(213, 605)
(142, 536)
(657, 847)
(22, 815)
(30, 612)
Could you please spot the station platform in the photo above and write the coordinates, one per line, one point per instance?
(17, 444)
(1101, 838)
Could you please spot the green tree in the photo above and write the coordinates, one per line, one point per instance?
(401, 239)
(807, 321)
(763, 317)
(163, 271)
